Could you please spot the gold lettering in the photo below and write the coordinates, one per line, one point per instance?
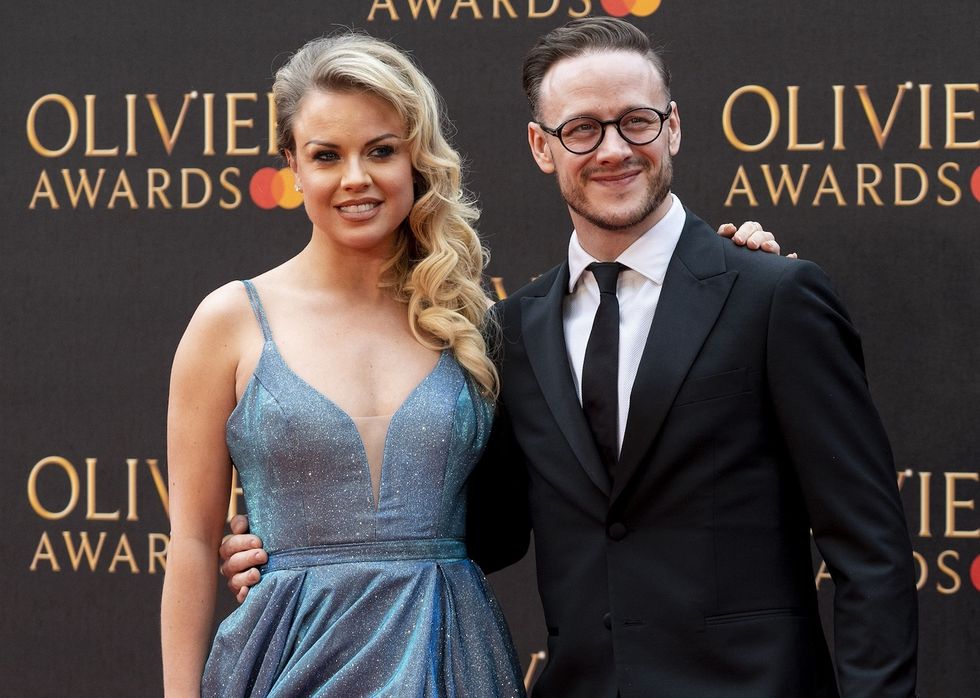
(383, 5)
(957, 192)
(822, 574)
(498, 287)
(273, 139)
(154, 189)
(584, 12)
(900, 169)
(168, 137)
(866, 186)
(131, 125)
(952, 504)
(84, 548)
(785, 181)
(124, 553)
(90, 513)
(925, 529)
(505, 3)
(923, 571)
(157, 554)
(839, 117)
(90, 149)
(726, 119)
(881, 134)
(43, 190)
(91, 193)
(741, 185)
(185, 173)
(131, 501)
(73, 482)
(45, 552)
(70, 112)
(924, 122)
(534, 13)
(160, 484)
(829, 185)
(950, 572)
(952, 116)
(471, 4)
(230, 187)
(123, 189)
(209, 123)
(234, 123)
(793, 118)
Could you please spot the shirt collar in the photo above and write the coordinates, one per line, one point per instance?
(649, 255)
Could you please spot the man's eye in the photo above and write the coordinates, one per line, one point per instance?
(580, 129)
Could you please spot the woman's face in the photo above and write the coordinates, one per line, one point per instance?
(354, 166)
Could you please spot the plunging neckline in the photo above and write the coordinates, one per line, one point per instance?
(271, 344)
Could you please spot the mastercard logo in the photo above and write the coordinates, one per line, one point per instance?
(270, 188)
(637, 8)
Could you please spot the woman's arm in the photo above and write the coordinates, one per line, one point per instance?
(202, 395)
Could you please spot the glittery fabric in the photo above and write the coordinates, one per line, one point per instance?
(359, 600)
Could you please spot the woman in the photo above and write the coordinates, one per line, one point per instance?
(350, 386)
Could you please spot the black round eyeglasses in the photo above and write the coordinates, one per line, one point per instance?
(583, 134)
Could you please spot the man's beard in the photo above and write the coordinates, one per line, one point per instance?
(657, 189)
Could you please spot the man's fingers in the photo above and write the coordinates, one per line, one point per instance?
(792, 255)
(745, 233)
(234, 544)
(771, 246)
(243, 561)
(249, 578)
(239, 524)
(727, 230)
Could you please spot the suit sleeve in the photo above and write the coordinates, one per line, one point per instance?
(498, 522)
(843, 460)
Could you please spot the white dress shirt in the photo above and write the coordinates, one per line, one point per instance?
(638, 292)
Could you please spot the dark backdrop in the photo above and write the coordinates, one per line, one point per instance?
(94, 296)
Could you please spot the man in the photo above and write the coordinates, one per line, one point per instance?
(672, 499)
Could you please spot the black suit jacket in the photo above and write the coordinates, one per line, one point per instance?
(690, 573)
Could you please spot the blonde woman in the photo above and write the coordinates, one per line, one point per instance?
(351, 389)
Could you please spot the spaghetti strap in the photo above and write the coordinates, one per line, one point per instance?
(253, 299)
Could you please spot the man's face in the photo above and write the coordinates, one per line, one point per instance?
(618, 189)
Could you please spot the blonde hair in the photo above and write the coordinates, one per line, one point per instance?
(437, 264)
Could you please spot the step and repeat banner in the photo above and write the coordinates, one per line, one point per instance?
(139, 173)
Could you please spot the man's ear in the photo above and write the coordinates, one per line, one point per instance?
(540, 148)
(673, 127)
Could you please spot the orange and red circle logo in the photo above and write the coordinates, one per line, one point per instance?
(270, 187)
(637, 8)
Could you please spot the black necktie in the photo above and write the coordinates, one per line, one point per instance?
(600, 372)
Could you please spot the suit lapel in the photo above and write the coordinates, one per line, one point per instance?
(544, 341)
(695, 290)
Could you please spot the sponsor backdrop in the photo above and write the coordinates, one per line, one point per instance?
(138, 174)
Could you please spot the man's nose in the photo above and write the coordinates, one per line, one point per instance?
(613, 146)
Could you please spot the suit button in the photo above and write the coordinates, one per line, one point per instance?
(607, 621)
(617, 531)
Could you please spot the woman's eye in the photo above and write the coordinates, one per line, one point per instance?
(326, 156)
(383, 151)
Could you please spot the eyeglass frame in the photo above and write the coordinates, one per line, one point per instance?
(556, 131)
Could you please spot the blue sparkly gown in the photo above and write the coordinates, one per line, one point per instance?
(359, 598)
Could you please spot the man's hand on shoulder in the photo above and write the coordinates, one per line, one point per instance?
(241, 554)
(750, 234)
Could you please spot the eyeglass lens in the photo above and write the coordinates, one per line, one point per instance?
(639, 127)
